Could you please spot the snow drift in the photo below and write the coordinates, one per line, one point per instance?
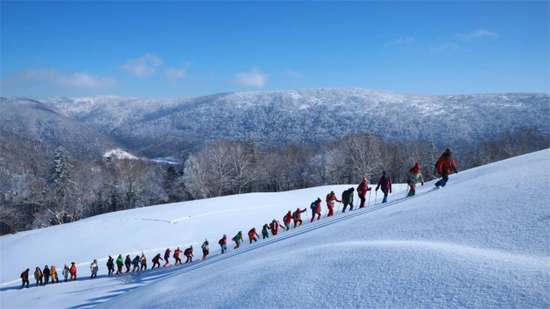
(480, 242)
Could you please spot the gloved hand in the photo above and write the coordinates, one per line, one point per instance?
(376, 189)
(408, 182)
(422, 184)
(456, 172)
(390, 191)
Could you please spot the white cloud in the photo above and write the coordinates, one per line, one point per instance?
(254, 78)
(401, 41)
(54, 77)
(142, 66)
(477, 34)
(446, 46)
(292, 73)
(180, 72)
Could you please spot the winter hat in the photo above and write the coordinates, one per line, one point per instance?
(448, 150)
(417, 165)
(384, 173)
(365, 178)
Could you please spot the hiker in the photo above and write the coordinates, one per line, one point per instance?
(53, 272)
(265, 231)
(110, 266)
(25, 278)
(252, 234)
(331, 198)
(238, 239)
(73, 271)
(128, 263)
(189, 254)
(135, 262)
(415, 177)
(347, 199)
(274, 225)
(156, 261)
(167, 256)
(38, 276)
(143, 262)
(297, 216)
(385, 185)
(287, 219)
(205, 249)
(46, 273)
(94, 268)
(445, 166)
(119, 264)
(362, 191)
(316, 209)
(66, 271)
(223, 243)
(177, 256)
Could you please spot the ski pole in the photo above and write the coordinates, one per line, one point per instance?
(375, 194)
(407, 191)
(339, 204)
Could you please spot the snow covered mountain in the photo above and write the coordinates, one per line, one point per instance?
(481, 242)
(32, 120)
(166, 127)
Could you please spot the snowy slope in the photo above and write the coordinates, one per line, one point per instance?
(480, 242)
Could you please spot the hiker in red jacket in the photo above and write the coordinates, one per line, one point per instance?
(287, 219)
(252, 234)
(297, 216)
(362, 191)
(223, 243)
(445, 166)
(156, 261)
(274, 225)
(331, 198)
(316, 209)
(177, 256)
(189, 254)
(73, 271)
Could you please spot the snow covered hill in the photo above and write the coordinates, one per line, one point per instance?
(163, 127)
(32, 120)
(480, 242)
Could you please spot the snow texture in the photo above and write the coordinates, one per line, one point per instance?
(481, 242)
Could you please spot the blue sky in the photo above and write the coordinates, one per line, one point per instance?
(181, 49)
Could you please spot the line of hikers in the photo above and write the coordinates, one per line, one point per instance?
(444, 166)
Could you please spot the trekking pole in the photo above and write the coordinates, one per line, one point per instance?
(368, 204)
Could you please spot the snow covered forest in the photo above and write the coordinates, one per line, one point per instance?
(44, 185)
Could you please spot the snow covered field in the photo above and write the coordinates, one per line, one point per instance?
(480, 242)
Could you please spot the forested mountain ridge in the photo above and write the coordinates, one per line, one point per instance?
(166, 127)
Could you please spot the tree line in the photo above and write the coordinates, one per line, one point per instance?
(60, 188)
